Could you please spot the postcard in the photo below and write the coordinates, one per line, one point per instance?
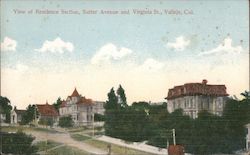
(124, 77)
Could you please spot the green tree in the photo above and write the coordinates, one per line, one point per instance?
(46, 121)
(57, 104)
(18, 143)
(111, 108)
(5, 107)
(30, 114)
(122, 97)
(99, 117)
(66, 122)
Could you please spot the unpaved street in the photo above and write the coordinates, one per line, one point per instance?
(67, 140)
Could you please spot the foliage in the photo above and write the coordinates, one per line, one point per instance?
(30, 114)
(57, 104)
(99, 117)
(17, 143)
(46, 121)
(65, 122)
(5, 108)
(207, 134)
(122, 100)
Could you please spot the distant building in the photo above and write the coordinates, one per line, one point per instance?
(248, 138)
(156, 103)
(2, 117)
(195, 97)
(47, 111)
(16, 116)
(81, 109)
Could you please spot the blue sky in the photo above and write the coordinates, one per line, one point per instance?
(153, 50)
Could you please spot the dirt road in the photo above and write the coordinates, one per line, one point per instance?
(67, 140)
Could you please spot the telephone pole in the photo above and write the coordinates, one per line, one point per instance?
(174, 137)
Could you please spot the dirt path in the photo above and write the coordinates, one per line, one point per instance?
(67, 140)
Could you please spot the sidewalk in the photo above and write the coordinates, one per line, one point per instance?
(134, 145)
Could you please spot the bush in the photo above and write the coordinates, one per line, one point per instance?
(66, 122)
(17, 143)
(46, 121)
(99, 118)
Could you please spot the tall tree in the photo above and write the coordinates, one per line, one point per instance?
(112, 101)
(30, 114)
(111, 107)
(57, 103)
(5, 107)
(122, 100)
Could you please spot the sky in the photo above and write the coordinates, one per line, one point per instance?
(48, 48)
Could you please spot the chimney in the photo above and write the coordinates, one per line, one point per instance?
(204, 81)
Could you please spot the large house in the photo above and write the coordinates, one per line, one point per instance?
(47, 111)
(16, 116)
(195, 97)
(248, 137)
(80, 108)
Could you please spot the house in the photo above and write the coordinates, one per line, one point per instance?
(2, 117)
(80, 108)
(248, 137)
(195, 97)
(16, 116)
(47, 111)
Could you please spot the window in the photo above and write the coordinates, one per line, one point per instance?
(173, 105)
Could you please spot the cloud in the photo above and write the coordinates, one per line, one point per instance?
(110, 52)
(152, 64)
(21, 67)
(8, 44)
(180, 43)
(56, 46)
(225, 47)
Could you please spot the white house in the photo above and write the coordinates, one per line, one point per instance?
(16, 116)
(195, 97)
(81, 109)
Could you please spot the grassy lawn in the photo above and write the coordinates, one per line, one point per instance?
(63, 150)
(115, 149)
(66, 150)
(42, 146)
(23, 128)
(79, 137)
(80, 129)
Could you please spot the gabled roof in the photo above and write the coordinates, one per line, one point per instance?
(190, 89)
(75, 93)
(63, 104)
(19, 112)
(47, 110)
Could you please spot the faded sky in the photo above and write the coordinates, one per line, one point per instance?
(47, 56)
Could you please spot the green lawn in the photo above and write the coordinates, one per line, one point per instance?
(115, 149)
(79, 137)
(42, 145)
(66, 150)
(23, 128)
(62, 150)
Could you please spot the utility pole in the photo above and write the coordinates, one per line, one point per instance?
(93, 123)
(174, 137)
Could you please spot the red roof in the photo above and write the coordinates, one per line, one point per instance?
(85, 101)
(190, 89)
(47, 110)
(63, 104)
(75, 93)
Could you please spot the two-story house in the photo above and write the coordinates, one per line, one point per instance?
(195, 97)
(80, 108)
